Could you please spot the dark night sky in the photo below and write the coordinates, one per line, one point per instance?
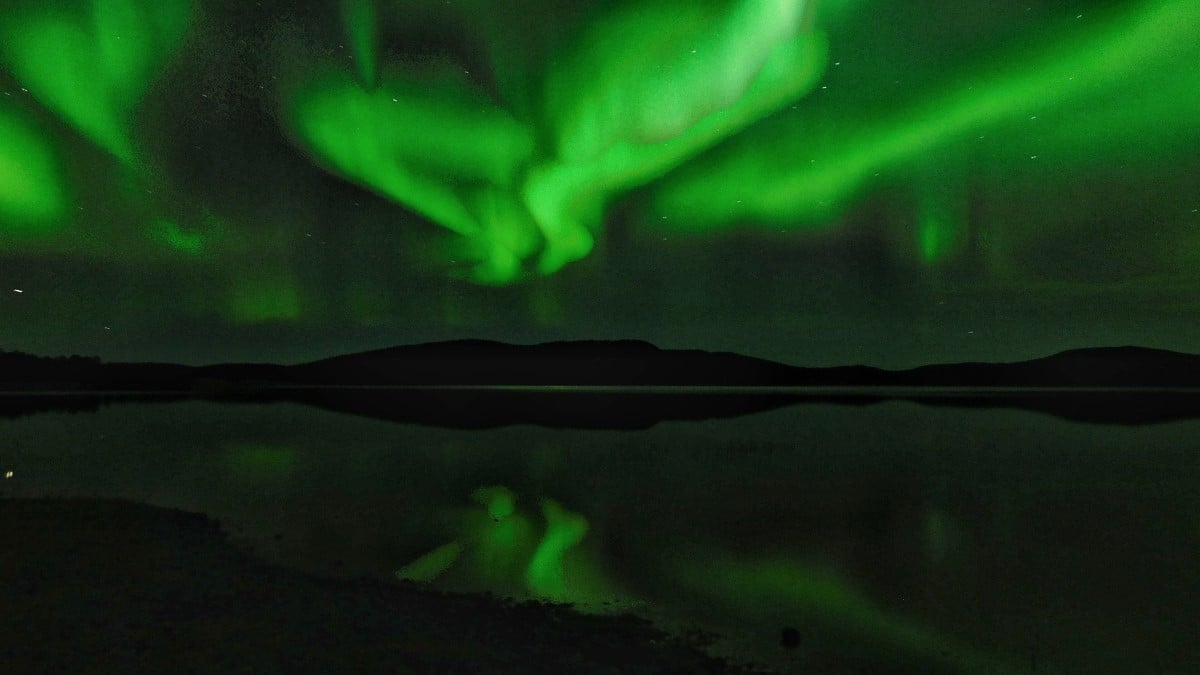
(838, 181)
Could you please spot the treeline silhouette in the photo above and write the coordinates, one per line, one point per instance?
(22, 371)
(624, 363)
(25, 368)
(455, 384)
(16, 358)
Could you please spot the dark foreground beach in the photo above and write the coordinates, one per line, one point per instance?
(106, 586)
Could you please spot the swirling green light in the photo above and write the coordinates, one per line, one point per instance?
(603, 151)
(91, 61)
(436, 144)
(785, 174)
(440, 149)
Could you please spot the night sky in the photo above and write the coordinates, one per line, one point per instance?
(887, 182)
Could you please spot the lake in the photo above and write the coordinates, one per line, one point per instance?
(893, 535)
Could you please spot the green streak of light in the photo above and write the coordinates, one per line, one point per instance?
(1140, 120)
(439, 149)
(264, 301)
(777, 589)
(402, 140)
(941, 227)
(91, 61)
(564, 530)
(932, 241)
(790, 174)
(706, 56)
(31, 190)
(436, 145)
(431, 565)
(360, 19)
(620, 125)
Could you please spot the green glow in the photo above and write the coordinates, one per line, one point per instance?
(430, 141)
(509, 557)
(508, 237)
(431, 565)
(501, 539)
(1148, 127)
(932, 241)
(499, 501)
(784, 590)
(706, 57)
(564, 530)
(603, 159)
(191, 242)
(261, 462)
(787, 174)
(91, 61)
(494, 544)
(704, 115)
(621, 125)
(502, 548)
(402, 138)
(31, 190)
(837, 11)
(264, 301)
(359, 17)
(440, 149)
(941, 229)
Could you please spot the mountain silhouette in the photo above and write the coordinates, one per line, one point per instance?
(616, 384)
(636, 363)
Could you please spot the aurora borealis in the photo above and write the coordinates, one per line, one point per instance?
(817, 181)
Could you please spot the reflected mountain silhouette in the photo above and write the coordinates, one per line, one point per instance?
(475, 384)
(486, 409)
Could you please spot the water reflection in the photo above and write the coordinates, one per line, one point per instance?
(919, 539)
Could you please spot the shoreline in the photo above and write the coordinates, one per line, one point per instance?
(106, 585)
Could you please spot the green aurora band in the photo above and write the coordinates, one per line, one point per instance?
(615, 125)
(787, 174)
(427, 139)
(521, 168)
(91, 62)
(31, 186)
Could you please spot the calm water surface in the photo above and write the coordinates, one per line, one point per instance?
(894, 535)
